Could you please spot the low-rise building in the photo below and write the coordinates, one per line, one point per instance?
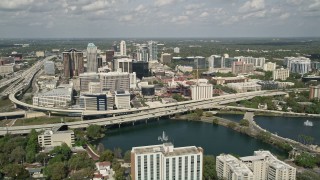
(122, 99)
(49, 68)
(226, 80)
(245, 87)
(39, 53)
(314, 92)
(59, 97)
(269, 66)
(56, 137)
(241, 67)
(184, 68)
(165, 58)
(201, 91)
(6, 69)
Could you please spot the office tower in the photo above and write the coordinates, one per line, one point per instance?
(49, 68)
(73, 63)
(281, 74)
(141, 69)
(114, 81)
(100, 63)
(86, 78)
(125, 64)
(143, 53)
(269, 66)
(299, 65)
(109, 55)
(153, 51)
(228, 62)
(176, 50)
(133, 80)
(199, 62)
(166, 162)
(95, 101)
(241, 67)
(165, 58)
(123, 48)
(92, 64)
(257, 62)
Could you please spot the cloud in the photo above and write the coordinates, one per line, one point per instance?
(14, 4)
(163, 2)
(96, 5)
(204, 14)
(140, 8)
(126, 18)
(252, 5)
(180, 19)
(284, 16)
(194, 6)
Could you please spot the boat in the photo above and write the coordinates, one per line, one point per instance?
(308, 123)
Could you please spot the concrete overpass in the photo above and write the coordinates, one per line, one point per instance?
(145, 113)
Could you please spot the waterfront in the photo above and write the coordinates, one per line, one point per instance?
(290, 127)
(214, 139)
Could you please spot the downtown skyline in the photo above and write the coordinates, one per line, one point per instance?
(158, 18)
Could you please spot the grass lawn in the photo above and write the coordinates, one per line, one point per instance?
(43, 120)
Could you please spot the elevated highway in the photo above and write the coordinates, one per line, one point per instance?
(134, 114)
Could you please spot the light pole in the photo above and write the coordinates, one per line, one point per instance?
(7, 127)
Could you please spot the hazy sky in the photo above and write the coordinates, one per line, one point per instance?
(159, 18)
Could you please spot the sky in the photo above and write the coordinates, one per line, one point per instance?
(158, 18)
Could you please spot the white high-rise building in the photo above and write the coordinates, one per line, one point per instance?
(269, 66)
(49, 68)
(123, 48)
(153, 50)
(166, 162)
(142, 53)
(92, 64)
(114, 81)
(201, 91)
(301, 65)
(122, 99)
(125, 64)
(231, 168)
(282, 74)
(257, 62)
(133, 80)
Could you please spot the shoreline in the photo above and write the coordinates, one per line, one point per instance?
(270, 114)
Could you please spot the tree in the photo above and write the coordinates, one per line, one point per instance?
(117, 153)
(80, 161)
(17, 155)
(308, 175)
(232, 125)
(94, 131)
(107, 155)
(127, 157)
(56, 171)
(306, 160)
(86, 173)
(199, 112)
(15, 171)
(100, 148)
(215, 121)
(63, 150)
(209, 168)
(244, 122)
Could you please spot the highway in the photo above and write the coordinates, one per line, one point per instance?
(146, 113)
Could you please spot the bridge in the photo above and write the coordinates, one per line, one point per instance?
(137, 114)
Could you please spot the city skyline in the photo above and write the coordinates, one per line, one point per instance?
(158, 18)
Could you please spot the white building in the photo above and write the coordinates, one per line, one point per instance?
(201, 91)
(49, 68)
(94, 87)
(60, 97)
(269, 66)
(176, 50)
(165, 58)
(257, 62)
(113, 81)
(166, 162)
(229, 167)
(299, 65)
(55, 137)
(39, 53)
(133, 80)
(123, 65)
(184, 68)
(6, 69)
(282, 74)
(122, 99)
(86, 78)
(266, 166)
(143, 53)
(123, 48)
(92, 62)
(244, 87)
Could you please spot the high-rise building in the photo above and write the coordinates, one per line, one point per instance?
(269, 66)
(49, 68)
(241, 67)
(176, 50)
(166, 162)
(229, 167)
(122, 99)
(86, 78)
(141, 68)
(109, 55)
(201, 91)
(228, 61)
(95, 102)
(143, 53)
(257, 62)
(153, 50)
(92, 64)
(125, 64)
(123, 48)
(199, 62)
(114, 81)
(299, 65)
(165, 58)
(314, 92)
(281, 74)
(73, 63)
(215, 61)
